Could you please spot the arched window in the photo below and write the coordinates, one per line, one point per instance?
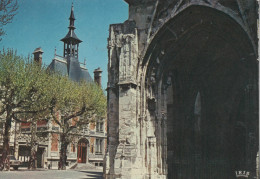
(197, 112)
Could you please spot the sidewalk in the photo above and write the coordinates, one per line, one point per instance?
(24, 173)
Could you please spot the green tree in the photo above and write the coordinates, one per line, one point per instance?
(78, 104)
(25, 91)
(29, 93)
(8, 9)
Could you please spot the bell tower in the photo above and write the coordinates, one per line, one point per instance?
(71, 41)
(71, 49)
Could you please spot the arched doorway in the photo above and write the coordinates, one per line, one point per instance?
(202, 72)
(82, 150)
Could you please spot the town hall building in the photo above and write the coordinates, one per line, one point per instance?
(87, 147)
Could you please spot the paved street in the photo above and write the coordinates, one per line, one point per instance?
(52, 174)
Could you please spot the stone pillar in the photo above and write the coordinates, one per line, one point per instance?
(126, 150)
(152, 159)
(257, 165)
(112, 132)
(38, 55)
(258, 35)
(121, 157)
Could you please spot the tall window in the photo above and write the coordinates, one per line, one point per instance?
(99, 146)
(197, 112)
(100, 126)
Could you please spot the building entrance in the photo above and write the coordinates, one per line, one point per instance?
(82, 150)
(205, 86)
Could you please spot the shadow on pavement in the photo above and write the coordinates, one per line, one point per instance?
(94, 175)
(27, 170)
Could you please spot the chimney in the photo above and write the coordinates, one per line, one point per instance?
(38, 55)
(97, 76)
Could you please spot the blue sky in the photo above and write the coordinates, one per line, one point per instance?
(42, 23)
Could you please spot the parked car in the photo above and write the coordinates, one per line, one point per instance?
(14, 163)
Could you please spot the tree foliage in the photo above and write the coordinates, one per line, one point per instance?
(77, 104)
(8, 9)
(24, 93)
(25, 88)
(29, 93)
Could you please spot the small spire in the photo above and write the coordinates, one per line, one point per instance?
(85, 61)
(72, 12)
(72, 18)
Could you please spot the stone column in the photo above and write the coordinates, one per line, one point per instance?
(121, 157)
(112, 132)
(258, 35)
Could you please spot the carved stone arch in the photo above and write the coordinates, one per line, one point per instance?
(167, 49)
(192, 45)
(166, 10)
(225, 12)
(155, 58)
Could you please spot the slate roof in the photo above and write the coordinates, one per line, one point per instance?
(59, 66)
(86, 75)
(71, 36)
(74, 70)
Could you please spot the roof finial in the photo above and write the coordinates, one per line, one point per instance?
(72, 17)
(55, 52)
(85, 61)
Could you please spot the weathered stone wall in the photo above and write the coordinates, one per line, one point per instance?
(138, 86)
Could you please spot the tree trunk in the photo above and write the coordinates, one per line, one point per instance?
(5, 163)
(63, 153)
(32, 161)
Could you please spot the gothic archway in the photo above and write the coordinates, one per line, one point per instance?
(82, 150)
(201, 92)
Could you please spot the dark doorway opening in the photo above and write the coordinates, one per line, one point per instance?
(39, 157)
(212, 109)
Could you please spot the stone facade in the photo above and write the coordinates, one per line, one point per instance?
(183, 90)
